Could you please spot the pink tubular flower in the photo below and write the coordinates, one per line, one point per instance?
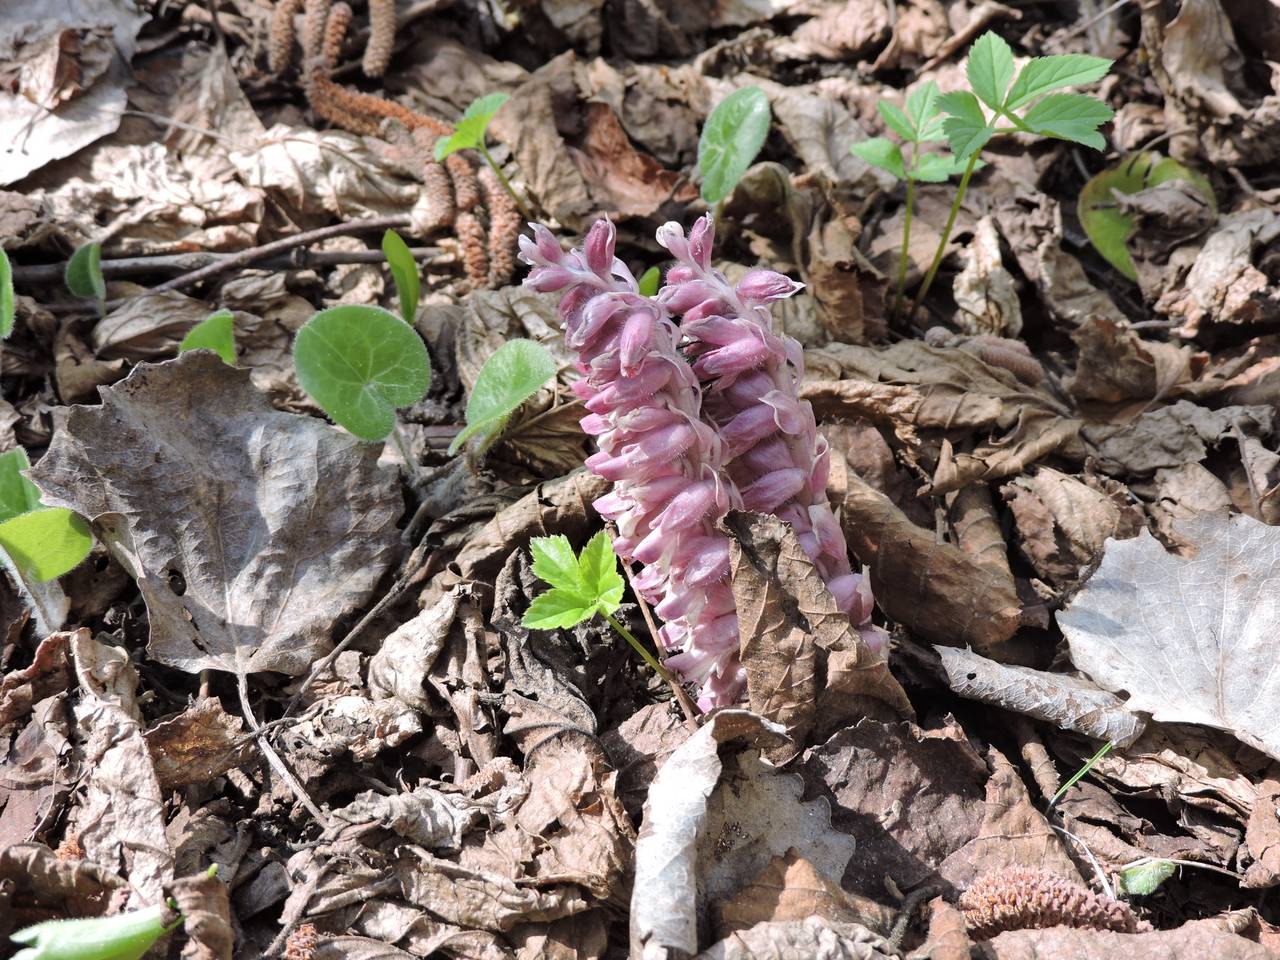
(750, 375)
(645, 411)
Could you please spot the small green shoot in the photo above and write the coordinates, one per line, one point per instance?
(511, 375)
(649, 281)
(125, 936)
(581, 587)
(731, 139)
(1079, 774)
(43, 542)
(84, 275)
(1145, 877)
(7, 311)
(360, 364)
(404, 271)
(217, 333)
(1106, 225)
(469, 134)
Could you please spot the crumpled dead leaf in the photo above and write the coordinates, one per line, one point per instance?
(619, 177)
(210, 498)
(1115, 364)
(201, 743)
(811, 937)
(1171, 436)
(1189, 639)
(48, 673)
(985, 293)
(1192, 940)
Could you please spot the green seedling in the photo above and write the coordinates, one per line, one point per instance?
(919, 124)
(1079, 774)
(1107, 226)
(42, 542)
(469, 134)
(997, 104)
(581, 587)
(7, 311)
(404, 271)
(1145, 877)
(649, 281)
(360, 364)
(125, 936)
(512, 374)
(731, 139)
(216, 333)
(84, 275)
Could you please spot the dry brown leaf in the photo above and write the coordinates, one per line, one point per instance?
(201, 743)
(620, 178)
(985, 293)
(794, 939)
(206, 917)
(1171, 436)
(948, 938)
(425, 816)
(848, 291)
(1115, 364)
(641, 745)
(399, 669)
(1189, 942)
(49, 673)
(39, 879)
(1262, 837)
(584, 936)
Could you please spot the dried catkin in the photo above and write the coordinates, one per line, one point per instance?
(382, 37)
(314, 25)
(280, 38)
(475, 258)
(466, 188)
(1025, 899)
(360, 112)
(504, 228)
(302, 943)
(439, 191)
(335, 32)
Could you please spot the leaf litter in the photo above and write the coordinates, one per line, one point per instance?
(303, 658)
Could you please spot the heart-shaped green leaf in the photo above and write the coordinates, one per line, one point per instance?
(731, 139)
(511, 375)
(404, 271)
(47, 542)
(360, 364)
(18, 495)
(216, 333)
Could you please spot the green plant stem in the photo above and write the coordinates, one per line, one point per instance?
(904, 257)
(638, 647)
(398, 438)
(1088, 765)
(946, 235)
(506, 184)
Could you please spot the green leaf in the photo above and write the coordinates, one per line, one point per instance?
(557, 608)
(938, 168)
(46, 543)
(1045, 74)
(360, 364)
(882, 153)
(966, 126)
(469, 131)
(731, 139)
(1144, 879)
(6, 297)
(599, 570)
(511, 375)
(84, 272)
(125, 936)
(922, 104)
(897, 121)
(1107, 227)
(554, 562)
(990, 68)
(404, 271)
(1069, 116)
(216, 333)
(18, 495)
(649, 281)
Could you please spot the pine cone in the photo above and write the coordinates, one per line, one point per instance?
(1024, 899)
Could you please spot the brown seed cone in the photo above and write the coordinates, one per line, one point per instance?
(302, 943)
(280, 38)
(382, 37)
(504, 228)
(439, 190)
(1012, 355)
(475, 258)
(1023, 899)
(335, 32)
(313, 31)
(466, 188)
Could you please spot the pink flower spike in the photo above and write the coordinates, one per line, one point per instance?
(774, 489)
(702, 237)
(763, 286)
(599, 246)
(731, 360)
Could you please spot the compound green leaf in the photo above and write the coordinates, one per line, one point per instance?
(554, 562)
(404, 271)
(511, 375)
(938, 168)
(469, 131)
(897, 121)
(966, 125)
(360, 364)
(882, 153)
(1046, 74)
(47, 542)
(990, 68)
(18, 495)
(557, 608)
(922, 104)
(599, 570)
(216, 333)
(731, 139)
(1070, 116)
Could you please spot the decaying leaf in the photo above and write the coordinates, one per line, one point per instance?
(1115, 364)
(986, 297)
(250, 532)
(811, 937)
(1190, 940)
(1189, 639)
(199, 744)
(1171, 436)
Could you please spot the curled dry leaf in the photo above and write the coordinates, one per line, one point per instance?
(250, 532)
(37, 877)
(201, 743)
(1072, 703)
(985, 292)
(48, 673)
(424, 816)
(811, 937)
(399, 669)
(1116, 365)
(206, 917)
(1189, 639)
(1171, 436)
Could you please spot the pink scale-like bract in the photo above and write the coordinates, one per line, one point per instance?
(750, 376)
(665, 462)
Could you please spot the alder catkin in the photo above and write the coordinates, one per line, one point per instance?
(475, 257)
(504, 228)
(280, 38)
(313, 31)
(466, 188)
(335, 32)
(382, 37)
(1024, 899)
(439, 191)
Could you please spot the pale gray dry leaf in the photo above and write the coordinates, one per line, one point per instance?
(201, 743)
(1192, 941)
(399, 669)
(151, 326)
(388, 923)
(351, 724)
(121, 822)
(425, 816)
(358, 948)
(250, 531)
(48, 602)
(81, 887)
(1171, 436)
(205, 906)
(1189, 639)
(814, 937)
(985, 293)
(1072, 703)
(846, 30)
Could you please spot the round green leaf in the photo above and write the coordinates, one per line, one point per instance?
(216, 333)
(84, 272)
(46, 543)
(360, 364)
(513, 374)
(18, 495)
(6, 296)
(404, 270)
(731, 139)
